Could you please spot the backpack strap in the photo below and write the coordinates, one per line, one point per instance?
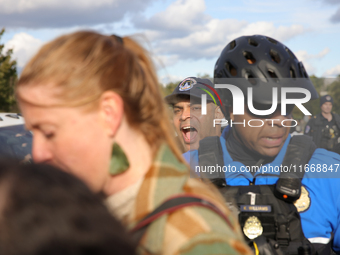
(299, 151)
(210, 154)
(172, 204)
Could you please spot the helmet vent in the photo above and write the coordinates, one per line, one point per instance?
(273, 75)
(251, 78)
(232, 45)
(252, 42)
(303, 70)
(219, 74)
(275, 56)
(249, 56)
(292, 73)
(289, 52)
(272, 40)
(232, 70)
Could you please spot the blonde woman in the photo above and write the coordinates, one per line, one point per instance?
(94, 105)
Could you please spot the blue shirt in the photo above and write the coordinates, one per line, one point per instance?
(321, 180)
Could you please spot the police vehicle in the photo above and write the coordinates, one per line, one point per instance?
(15, 141)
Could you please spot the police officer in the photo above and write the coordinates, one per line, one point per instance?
(324, 127)
(282, 186)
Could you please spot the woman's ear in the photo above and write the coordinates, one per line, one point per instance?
(111, 108)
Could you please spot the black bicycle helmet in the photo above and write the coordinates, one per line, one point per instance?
(262, 63)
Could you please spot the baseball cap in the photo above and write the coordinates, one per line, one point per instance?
(190, 87)
(325, 99)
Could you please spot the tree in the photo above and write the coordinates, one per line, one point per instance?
(8, 77)
(204, 76)
(313, 106)
(334, 91)
(169, 88)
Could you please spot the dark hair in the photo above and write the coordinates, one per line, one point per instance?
(47, 211)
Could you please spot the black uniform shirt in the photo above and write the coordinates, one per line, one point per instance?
(325, 133)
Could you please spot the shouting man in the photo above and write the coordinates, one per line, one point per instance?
(191, 123)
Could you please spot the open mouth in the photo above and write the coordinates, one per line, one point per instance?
(189, 133)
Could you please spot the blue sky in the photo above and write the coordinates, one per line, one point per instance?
(184, 37)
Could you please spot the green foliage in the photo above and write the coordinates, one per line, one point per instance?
(204, 76)
(318, 83)
(167, 90)
(313, 106)
(8, 77)
(334, 91)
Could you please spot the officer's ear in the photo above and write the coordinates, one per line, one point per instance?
(231, 113)
(218, 113)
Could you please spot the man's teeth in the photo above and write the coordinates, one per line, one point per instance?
(269, 138)
(186, 128)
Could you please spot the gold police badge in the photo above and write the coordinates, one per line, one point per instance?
(303, 203)
(252, 227)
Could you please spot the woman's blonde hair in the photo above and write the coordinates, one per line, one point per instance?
(84, 64)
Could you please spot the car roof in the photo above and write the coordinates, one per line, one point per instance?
(10, 119)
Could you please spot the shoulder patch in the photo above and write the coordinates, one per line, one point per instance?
(187, 84)
(307, 129)
(303, 203)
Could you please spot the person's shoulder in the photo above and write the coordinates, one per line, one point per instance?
(191, 157)
(199, 223)
(336, 117)
(190, 154)
(312, 123)
(309, 125)
(315, 118)
(325, 155)
(197, 229)
(323, 164)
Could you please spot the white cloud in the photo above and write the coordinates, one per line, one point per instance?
(335, 71)
(308, 59)
(29, 5)
(184, 31)
(206, 42)
(162, 61)
(310, 68)
(304, 55)
(336, 16)
(281, 33)
(24, 47)
(209, 40)
(180, 16)
(332, 1)
(165, 79)
(66, 13)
